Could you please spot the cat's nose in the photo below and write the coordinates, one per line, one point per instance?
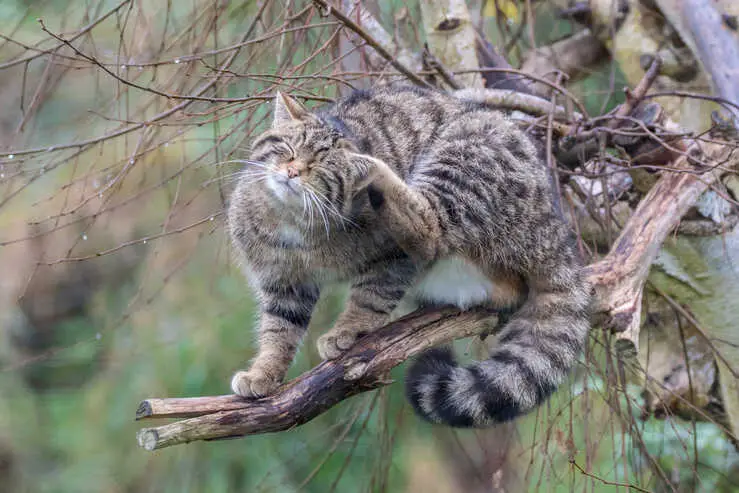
(292, 172)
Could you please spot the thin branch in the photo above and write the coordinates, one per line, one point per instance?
(79, 34)
(433, 64)
(605, 481)
(331, 10)
(160, 116)
(697, 325)
(634, 97)
(512, 100)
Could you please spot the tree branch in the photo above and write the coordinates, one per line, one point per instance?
(513, 100)
(363, 367)
(370, 40)
(373, 28)
(619, 278)
(572, 55)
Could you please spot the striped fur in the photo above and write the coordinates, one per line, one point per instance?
(408, 193)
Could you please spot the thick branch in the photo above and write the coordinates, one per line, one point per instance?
(572, 55)
(619, 278)
(451, 37)
(364, 367)
(512, 100)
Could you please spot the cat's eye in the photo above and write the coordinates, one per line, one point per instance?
(286, 152)
(320, 153)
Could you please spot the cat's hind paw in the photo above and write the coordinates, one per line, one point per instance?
(253, 383)
(333, 344)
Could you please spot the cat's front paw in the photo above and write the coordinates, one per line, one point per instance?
(253, 383)
(332, 344)
(365, 169)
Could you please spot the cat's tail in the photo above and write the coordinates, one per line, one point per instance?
(533, 354)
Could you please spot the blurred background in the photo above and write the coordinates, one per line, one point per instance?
(121, 126)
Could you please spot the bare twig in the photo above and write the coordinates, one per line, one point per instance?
(77, 35)
(634, 97)
(160, 116)
(434, 64)
(331, 10)
(605, 481)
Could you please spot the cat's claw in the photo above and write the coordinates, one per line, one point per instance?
(253, 383)
(333, 344)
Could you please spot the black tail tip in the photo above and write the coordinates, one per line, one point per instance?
(437, 362)
(432, 361)
(432, 387)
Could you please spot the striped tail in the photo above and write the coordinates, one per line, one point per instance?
(533, 355)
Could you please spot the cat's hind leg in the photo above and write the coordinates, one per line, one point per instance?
(373, 296)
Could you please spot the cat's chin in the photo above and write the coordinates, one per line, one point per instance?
(285, 192)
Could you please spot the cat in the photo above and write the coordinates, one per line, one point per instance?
(410, 193)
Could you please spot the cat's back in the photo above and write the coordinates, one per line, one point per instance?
(399, 124)
(394, 122)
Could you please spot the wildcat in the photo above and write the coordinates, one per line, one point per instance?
(413, 193)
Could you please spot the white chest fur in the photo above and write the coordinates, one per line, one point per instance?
(454, 281)
(290, 235)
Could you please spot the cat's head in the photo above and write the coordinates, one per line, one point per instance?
(306, 161)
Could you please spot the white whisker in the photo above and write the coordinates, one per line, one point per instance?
(310, 216)
(243, 161)
(330, 207)
(322, 212)
(238, 175)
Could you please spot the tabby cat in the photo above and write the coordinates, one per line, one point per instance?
(410, 193)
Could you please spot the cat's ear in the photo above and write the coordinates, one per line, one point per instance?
(287, 109)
